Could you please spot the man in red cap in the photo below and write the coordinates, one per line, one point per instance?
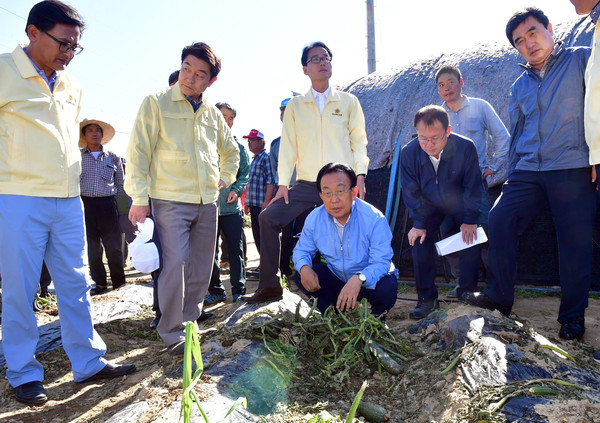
(261, 182)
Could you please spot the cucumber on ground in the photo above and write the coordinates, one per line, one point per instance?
(542, 390)
(372, 412)
(387, 362)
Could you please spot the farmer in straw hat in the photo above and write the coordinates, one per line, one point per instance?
(101, 179)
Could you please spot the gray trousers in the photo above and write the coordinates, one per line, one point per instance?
(302, 196)
(188, 234)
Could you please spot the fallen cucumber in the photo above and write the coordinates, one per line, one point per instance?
(386, 361)
(372, 412)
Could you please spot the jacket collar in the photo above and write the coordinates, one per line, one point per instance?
(556, 52)
(26, 68)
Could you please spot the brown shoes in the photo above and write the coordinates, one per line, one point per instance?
(264, 295)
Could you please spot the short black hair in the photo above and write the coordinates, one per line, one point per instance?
(451, 69)
(46, 14)
(307, 48)
(203, 52)
(336, 167)
(519, 17)
(429, 114)
(227, 106)
(174, 77)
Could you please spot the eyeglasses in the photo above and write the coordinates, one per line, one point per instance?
(338, 193)
(433, 140)
(317, 59)
(65, 47)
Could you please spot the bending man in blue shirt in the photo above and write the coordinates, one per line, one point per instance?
(355, 239)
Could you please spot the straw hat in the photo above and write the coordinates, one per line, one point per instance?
(108, 132)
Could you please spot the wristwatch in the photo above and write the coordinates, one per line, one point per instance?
(362, 277)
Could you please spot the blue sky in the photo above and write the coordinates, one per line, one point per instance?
(131, 46)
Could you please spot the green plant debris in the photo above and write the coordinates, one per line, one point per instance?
(333, 344)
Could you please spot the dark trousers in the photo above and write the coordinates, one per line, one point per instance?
(424, 259)
(254, 213)
(45, 278)
(571, 197)
(102, 229)
(382, 298)
(303, 197)
(230, 226)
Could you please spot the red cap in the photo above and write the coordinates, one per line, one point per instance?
(255, 133)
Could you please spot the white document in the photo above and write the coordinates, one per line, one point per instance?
(455, 243)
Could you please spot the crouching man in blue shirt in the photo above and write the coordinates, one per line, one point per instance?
(355, 239)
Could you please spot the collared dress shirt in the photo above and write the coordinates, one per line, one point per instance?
(261, 174)
(476, 119)
(320, 98)
(102, 176)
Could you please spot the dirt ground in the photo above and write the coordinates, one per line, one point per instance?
(132, 341)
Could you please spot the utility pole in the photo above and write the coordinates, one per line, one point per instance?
(370, 37)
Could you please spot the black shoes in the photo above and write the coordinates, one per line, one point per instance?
(31, 393)
(596, 356)
(479, 299)
(98, 290)
(264, 295)
(423, 309)
(154, 323)
(573, 329)
(204, 316)
(176, 349)
(110, 371)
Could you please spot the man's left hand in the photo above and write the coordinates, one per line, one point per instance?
(594, 174)
(232, 197)
(487, 172)
(469, 233)
(349, 293)
(362, 189)
(221, 184)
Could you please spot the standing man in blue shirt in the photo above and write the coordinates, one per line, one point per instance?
(355, 239)
(476, 119)
(549, 164)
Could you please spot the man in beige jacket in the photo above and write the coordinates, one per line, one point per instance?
(180, 154)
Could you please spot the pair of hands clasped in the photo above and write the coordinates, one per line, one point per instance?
(347, 299)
